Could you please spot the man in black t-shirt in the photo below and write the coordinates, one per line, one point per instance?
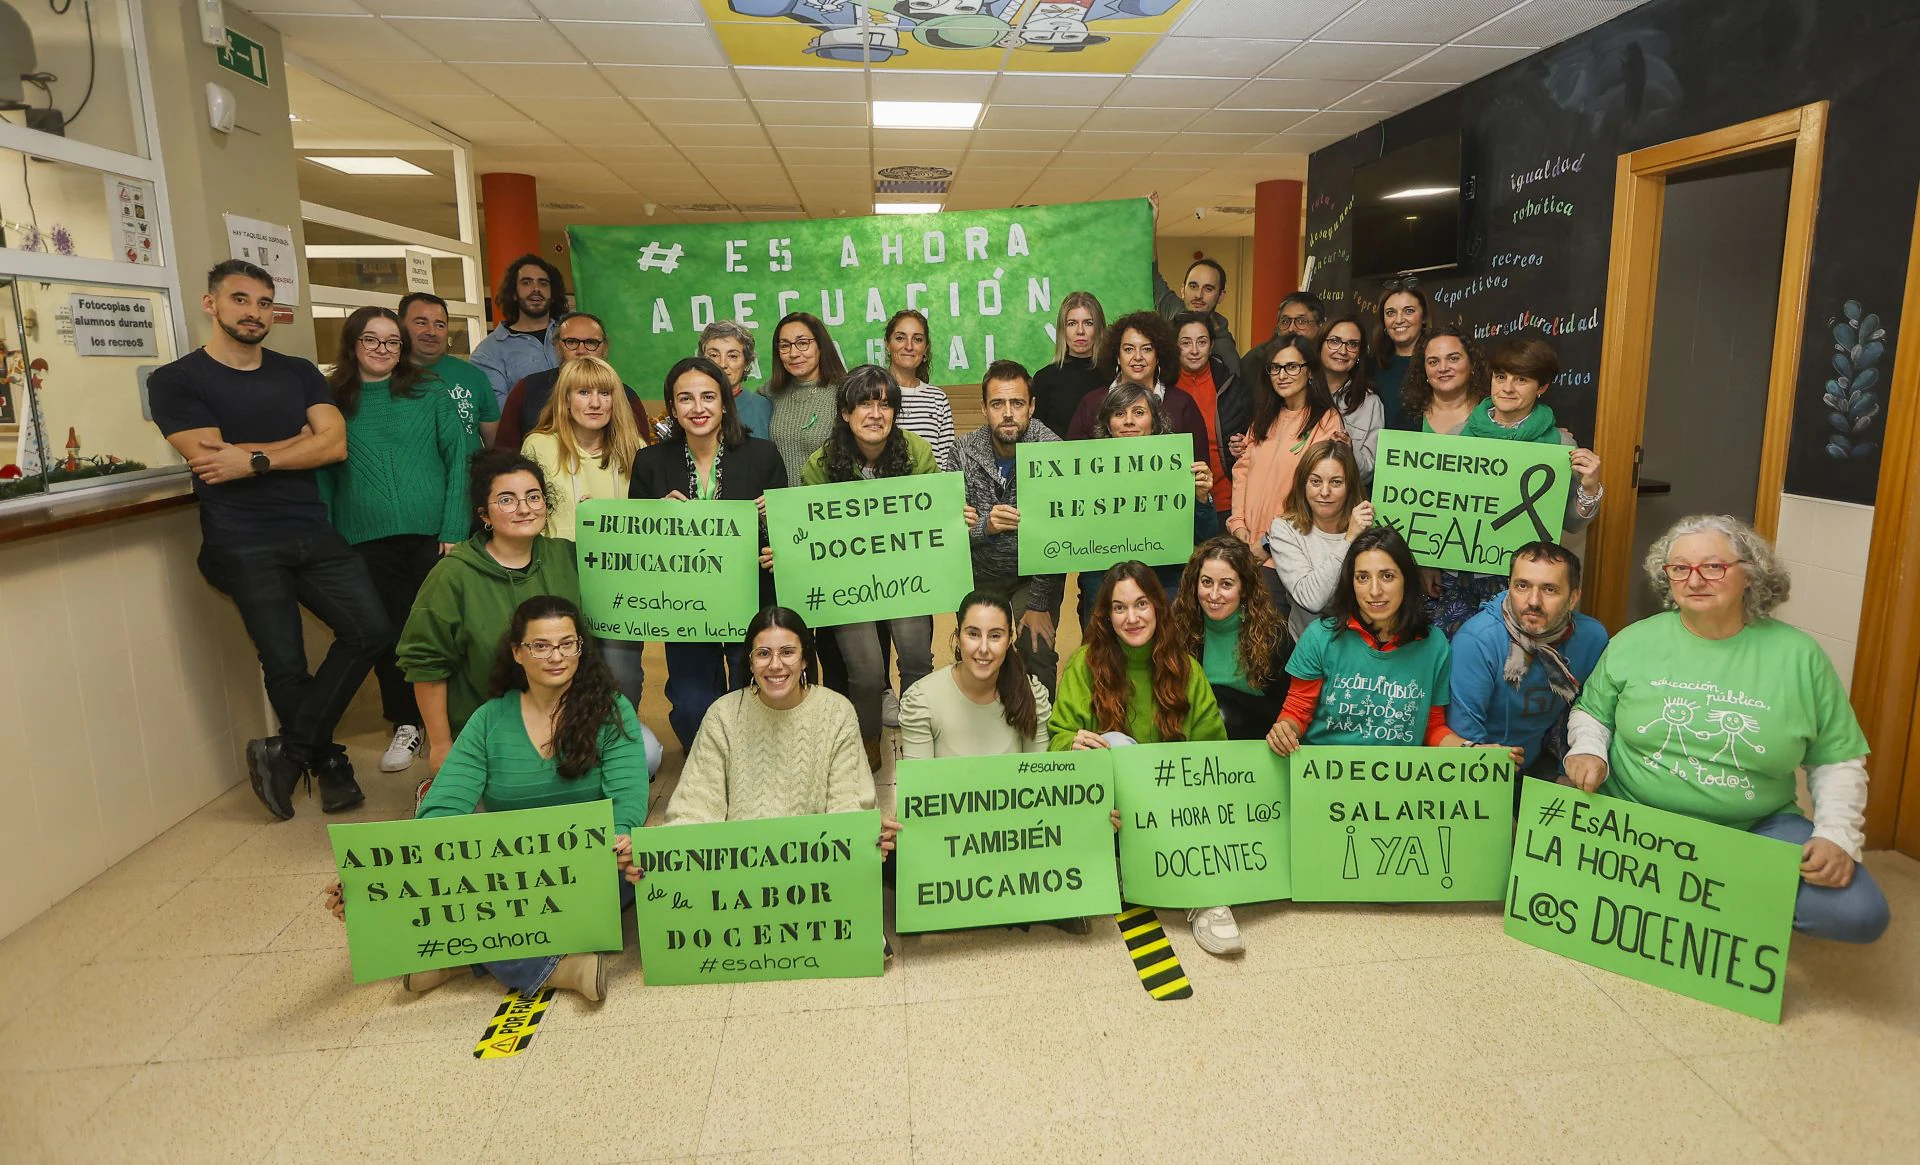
(254, 425)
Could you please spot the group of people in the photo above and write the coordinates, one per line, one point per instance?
(423, 507)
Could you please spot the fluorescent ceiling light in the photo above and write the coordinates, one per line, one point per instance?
(1420, 192)
(906, 208)
(925, 114)
(370, 165)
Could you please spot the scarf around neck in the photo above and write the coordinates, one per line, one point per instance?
(1523, 648)
(1537, 426)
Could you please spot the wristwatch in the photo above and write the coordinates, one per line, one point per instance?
(259, 462)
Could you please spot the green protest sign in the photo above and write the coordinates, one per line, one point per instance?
(863, 550)
(1689, 905)
(449, 891)
(769, 898)
(1467, 503)
(1202, 824)
(1401, 824)
(1085, 505)
(989, 281)
(997, 839)
(668, 571)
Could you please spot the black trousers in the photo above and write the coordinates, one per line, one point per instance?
(397, 565)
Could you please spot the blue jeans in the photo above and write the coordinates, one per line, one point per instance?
(1856, 913)
(697, 675)
(269, 582)
(529, 975)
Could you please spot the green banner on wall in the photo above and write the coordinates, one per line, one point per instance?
(1203, 823)
(450, 891)
(863, 550)
(768, 898)
(1467, 503)
(669, 571)
(989, 281)
(1695, 907)
(1085, 505)
(1401, 824)
(988, 840)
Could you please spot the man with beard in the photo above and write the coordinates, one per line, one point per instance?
(532, 297)
(253, 426)
(1200, 291)
(1518, 663)
(986, 458)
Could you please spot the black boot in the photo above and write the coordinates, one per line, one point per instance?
(273, 773)
(339, 792)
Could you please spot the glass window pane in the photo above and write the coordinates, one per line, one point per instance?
(82, 55)
(60, 209)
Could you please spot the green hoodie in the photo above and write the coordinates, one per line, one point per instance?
(1073, 707)
(463, 610)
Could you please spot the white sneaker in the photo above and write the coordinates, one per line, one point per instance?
(889, 709)
(1216, 931)
(406, 745)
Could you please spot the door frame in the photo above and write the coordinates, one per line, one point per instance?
(1639, 201)
(1886, 664)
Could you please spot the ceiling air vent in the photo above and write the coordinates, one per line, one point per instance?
(1230, 209)
(703, 207)
(912, 180)
(915, 173)
(560, 206)
(766, 208)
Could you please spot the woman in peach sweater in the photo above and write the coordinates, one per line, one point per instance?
(1292, 411)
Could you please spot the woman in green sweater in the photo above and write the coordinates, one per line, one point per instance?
(557, 732)
(806, 376)
(398, 498)
(1132, 681)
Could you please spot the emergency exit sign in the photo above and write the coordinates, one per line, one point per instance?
(243, 56)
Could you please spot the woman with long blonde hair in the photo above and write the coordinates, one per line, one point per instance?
(1059, 388)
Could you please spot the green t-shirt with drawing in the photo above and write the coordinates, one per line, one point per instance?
(470, 389)
(1715, 728)
(1369, 696)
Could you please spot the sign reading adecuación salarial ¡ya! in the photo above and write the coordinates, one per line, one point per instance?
(990, 282)
(1467, 503)
(669, 571)
(1401, 824)
(1085, 505)
(886, 548)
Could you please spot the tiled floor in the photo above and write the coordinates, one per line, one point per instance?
(194, 1004)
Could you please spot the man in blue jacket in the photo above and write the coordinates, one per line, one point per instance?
(531, 301)
(1518, 663)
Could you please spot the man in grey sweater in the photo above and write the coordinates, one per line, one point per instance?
(986, 457)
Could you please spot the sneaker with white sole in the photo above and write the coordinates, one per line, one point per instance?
(1216, 931)
(407, 742)
(889, 709)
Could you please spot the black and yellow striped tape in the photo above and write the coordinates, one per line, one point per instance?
(513, 1027)
(1153, 956)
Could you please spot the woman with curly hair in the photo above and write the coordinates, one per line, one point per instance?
(1404, 319)
(1445, 380)
(1711, 707)
(1141, 349)
(868, 443)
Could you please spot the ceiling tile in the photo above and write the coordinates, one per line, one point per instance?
(554, 80)
(1392, 96)
(1216, 143)
(569, 112)
(691, 137)
(822, 155)
(1342, 124)
(466, 9)
(1000, 116)
(1297, 143)
(356, 38)
(831, 136)
(1123, 141)
(504, 41)
(418, 79)
(469, 108)
(934, 139)
(1227, 19)
(1429, 22)
(799, 84)
(599, 134)
(1043, 140)
(1269, 94)
(721, 175)
(1321, 60)
(1539, 25)
(608, 42)
(1087, 90)
(664, 113)
(1004, 161)
(498, 159)
(1191, 163)
(671, 81)
(918, 157)
(504, 133)
(919, 85)
(271, 8)
(1238, 121)
(714, 155)
(1129, 120)
(586, 177)
(1458, 64)
(659, 11)
(631, 154)
(1092, 161)
(842, 114)
(1196, 92)
(1207, 57)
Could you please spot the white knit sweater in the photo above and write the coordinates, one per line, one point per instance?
(749, 760)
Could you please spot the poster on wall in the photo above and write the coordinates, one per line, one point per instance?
(267, 245)
(112, 325)
(136, 221)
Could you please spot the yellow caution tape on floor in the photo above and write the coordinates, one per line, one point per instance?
(1153, 956)
(513, 1027)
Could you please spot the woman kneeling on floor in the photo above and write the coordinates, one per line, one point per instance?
(557, 732)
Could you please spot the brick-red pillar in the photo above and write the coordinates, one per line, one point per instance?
(509, 222)
(1276, 251)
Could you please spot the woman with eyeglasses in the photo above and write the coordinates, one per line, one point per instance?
(1348, 368)
(1059, 387)
(1292, 412)
(1712, 707)
(556, 732)
(804, 389)
(466, 605)
(398, 499)
(1404, 320)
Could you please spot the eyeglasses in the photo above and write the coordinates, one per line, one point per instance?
(1295, 323)
(1290, 368)
(376, 344)
(541, 649)
(765, 655)
(1405, 283)
(581, 344)
(803, 344)
(1677, 572)
(1344, 345)
(534, 500)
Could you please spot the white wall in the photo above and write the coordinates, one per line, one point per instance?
(1824, 545)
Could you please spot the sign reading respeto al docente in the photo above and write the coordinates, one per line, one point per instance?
(857, 551)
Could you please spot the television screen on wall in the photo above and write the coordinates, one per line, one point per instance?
(1407, 210)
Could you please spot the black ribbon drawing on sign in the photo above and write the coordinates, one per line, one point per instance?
(1530, 493)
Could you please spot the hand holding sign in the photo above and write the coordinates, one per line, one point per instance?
(1467, 503)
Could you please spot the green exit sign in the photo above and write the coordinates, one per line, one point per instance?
(243, 56)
